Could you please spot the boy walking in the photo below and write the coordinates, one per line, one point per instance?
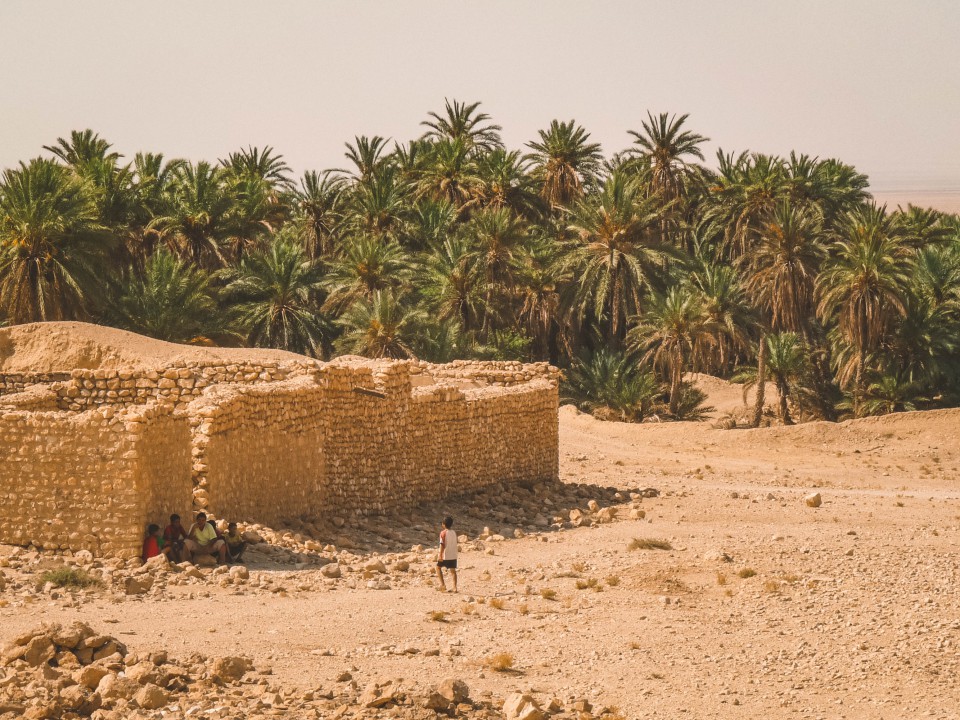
(447, 558)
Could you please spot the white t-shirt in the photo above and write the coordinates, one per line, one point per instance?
(448, 542)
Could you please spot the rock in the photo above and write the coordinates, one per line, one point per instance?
(376, 696)
(90, 676)
(239, 572)
(230, 668)
(717, 556)
(114, 687)
(72, 635)
(79, 699)
(39, 650)
(518, 706)
(252, 537)
(138, 585)
(813, 500)
(206, 561)
(649, 492)
(375, 566)
(151, 697)
(593, 505)
(143, 672)
(455, 691)
(331, 571)
(436, 701)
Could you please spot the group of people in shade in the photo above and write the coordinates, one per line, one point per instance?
(202, 538)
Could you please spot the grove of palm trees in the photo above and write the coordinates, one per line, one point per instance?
(629, 269)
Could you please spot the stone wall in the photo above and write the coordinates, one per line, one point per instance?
(17, 382)
(260, 442)
(90, 480)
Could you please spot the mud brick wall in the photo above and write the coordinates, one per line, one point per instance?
(80, 481)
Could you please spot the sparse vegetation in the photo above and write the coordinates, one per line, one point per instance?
(68, 577)
(747, 573)
(649, 544)
(496, 603)
(548, 594)
(721, 578)
(588, 584)
(499, 662)
(613, 580)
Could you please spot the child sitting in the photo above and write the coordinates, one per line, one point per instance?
(153, 543)
(235, 543)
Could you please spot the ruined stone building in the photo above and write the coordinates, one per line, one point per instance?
(92, 454)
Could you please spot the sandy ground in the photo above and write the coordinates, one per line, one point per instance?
(852, 611)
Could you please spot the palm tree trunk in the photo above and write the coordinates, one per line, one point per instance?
(782, 393)
(761, 382)
(858, 383)
(675, 381)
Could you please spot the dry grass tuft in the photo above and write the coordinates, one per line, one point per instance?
(771, 586)
(468, 609)
(496, 603)
(69, 578)
(747, 573)
(721, 578)
(523, 609)
(649, 544)
(499, 662)
(588, 584)
(438, 616)
(634, 645)
(548, 594)
(579, 567)
(613, 580)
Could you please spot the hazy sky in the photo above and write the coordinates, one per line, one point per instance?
(875, 83)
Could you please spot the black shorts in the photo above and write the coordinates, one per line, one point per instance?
(449, 564)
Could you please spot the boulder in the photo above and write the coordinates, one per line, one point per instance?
(455, 691)
(230, 668)
(518, 706)
(331, 571)
(90, 676)
(151, 697)
(813, 500)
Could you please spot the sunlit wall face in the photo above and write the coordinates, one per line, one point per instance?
(876, 83)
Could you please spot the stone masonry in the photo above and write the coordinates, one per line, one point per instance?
(92, 456)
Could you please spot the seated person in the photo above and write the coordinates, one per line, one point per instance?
(203, 539)
(153, 544)
(235, 543)
(173, 537)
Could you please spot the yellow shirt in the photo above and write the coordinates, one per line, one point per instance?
(204, 535)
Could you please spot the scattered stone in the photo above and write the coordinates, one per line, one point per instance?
(813, 500)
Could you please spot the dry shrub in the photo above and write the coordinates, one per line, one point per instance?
(790, 578)
(588, 584)
(481, 600)
(613, 580)
(468, 608)
(548, 594)
(721, 578)
(579, 567)
(634, 645)
(499, 662)
(649, 544)
(747, 573)
(437, 616)
(523, 609)
(69, 578)
(496, 603)
(771, 586)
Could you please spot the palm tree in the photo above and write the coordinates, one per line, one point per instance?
(540, 278)
(451, 283)
(51, 244)
(273, 291)
(616, 254)
(673, 333)
(666, 149)
(726, 306)
(450, 174)
(320, 201)
(503, 181)
(497, 235)
(196, 219)
(380, 206)
(786, 362)
(461, 121)
(262, 165)
(862, 290)
(564, 162)
(380, 326)
(366, 266)
(367, 155)
(169, 300)
(608, 383)
(82, 147)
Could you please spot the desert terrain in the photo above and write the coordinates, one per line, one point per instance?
(759, 606)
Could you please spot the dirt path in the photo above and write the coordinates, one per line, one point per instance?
(849, 610)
